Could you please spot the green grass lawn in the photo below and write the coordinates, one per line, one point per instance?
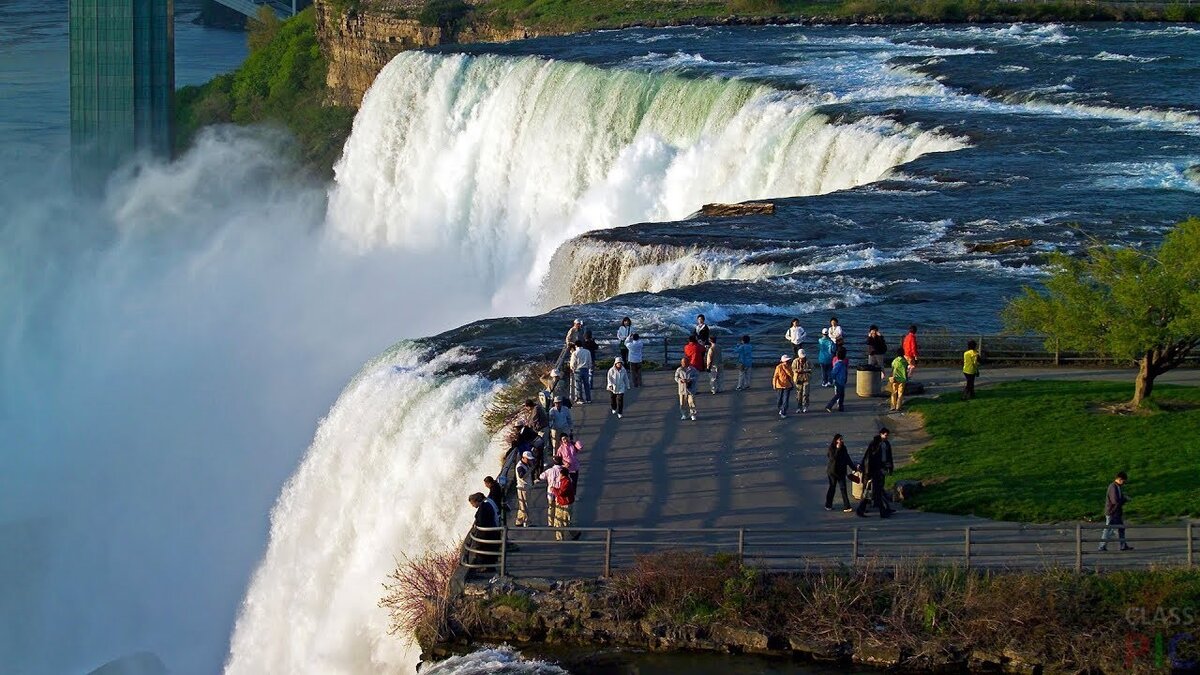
(1040, 452)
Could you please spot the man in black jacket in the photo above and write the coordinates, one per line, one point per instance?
(485, 516)
(873, 468)
(1114, 513)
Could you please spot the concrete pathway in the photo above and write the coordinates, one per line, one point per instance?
(740, 466)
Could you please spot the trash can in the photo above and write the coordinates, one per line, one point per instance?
(869, 381)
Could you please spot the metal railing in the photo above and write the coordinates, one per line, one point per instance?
(936, 346)
(599, 551)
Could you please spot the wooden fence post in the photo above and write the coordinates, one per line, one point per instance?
(854, 548)
(1057, 353)
(742, 545)
(967, 544)
(666, 356)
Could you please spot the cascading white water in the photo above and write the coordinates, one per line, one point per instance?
(510, 157)
(383, 476)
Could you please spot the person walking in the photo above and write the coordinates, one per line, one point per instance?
(525, 478)
(581, 365)
(745, 357)
(873, 468)
(636, 351)
(561, 423)
(795, 335)
(838, 374)
(564, 497)
(701, 330)
(716, 365)
(568, 451)
(835, 330)
(898, 380)
(910, 349)
(693, 351)
(825, 350)
(970, 369)
(837, 463)
(801, 374)
(1114, 513)
(876, 350)
(551, 478)
(618, 384)
(782, 381)
(685, 378)
(624, 332)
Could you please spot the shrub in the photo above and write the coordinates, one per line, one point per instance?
(445, 14)
(417, 596)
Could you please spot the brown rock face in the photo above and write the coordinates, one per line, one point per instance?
(359, 43)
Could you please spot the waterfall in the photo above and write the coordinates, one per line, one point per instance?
(509, 157)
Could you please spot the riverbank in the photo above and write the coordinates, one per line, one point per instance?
(913, 618)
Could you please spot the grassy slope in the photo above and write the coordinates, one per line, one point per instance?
(1034, 451)
(283, 83)
(575, 15)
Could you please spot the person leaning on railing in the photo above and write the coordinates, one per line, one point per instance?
(485, 542)
(636, 348)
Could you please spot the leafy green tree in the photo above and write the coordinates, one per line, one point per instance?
(1123, 303)
(262, 28)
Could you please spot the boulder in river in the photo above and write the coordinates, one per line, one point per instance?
(746, 209)
(998, 246)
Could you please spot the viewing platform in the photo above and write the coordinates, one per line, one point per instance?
(741, 480)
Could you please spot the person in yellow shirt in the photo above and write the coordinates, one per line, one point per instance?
(970, 369)
(898, 380)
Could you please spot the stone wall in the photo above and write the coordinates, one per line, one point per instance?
(359, 43)
(544, 612)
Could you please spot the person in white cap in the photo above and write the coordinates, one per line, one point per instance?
(782, 381)
(575, 334)
(525, 478)
(801, 372)
(618, 384)
(561, 423)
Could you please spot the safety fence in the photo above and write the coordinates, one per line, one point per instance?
(598, 551)
(935, 347)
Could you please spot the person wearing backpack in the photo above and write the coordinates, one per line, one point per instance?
(564, 499)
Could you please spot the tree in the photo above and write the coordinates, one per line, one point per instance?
(1122, 303)
(262, 29)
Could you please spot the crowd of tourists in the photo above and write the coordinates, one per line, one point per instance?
(543, 432)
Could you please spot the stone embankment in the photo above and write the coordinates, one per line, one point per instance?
(546, 613)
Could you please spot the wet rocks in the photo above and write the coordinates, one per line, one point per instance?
(744, 209)
(998, 246)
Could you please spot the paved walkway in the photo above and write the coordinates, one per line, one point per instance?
(740, 466)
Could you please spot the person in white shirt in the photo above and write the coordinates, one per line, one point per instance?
(561, 423)
(636, 349)
(525, 478)
(581, 365)
(618, 384)
(835, 330)
(715, 363)
(624, 331)
(795, 335)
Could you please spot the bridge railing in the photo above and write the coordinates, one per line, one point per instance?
(598, 551)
